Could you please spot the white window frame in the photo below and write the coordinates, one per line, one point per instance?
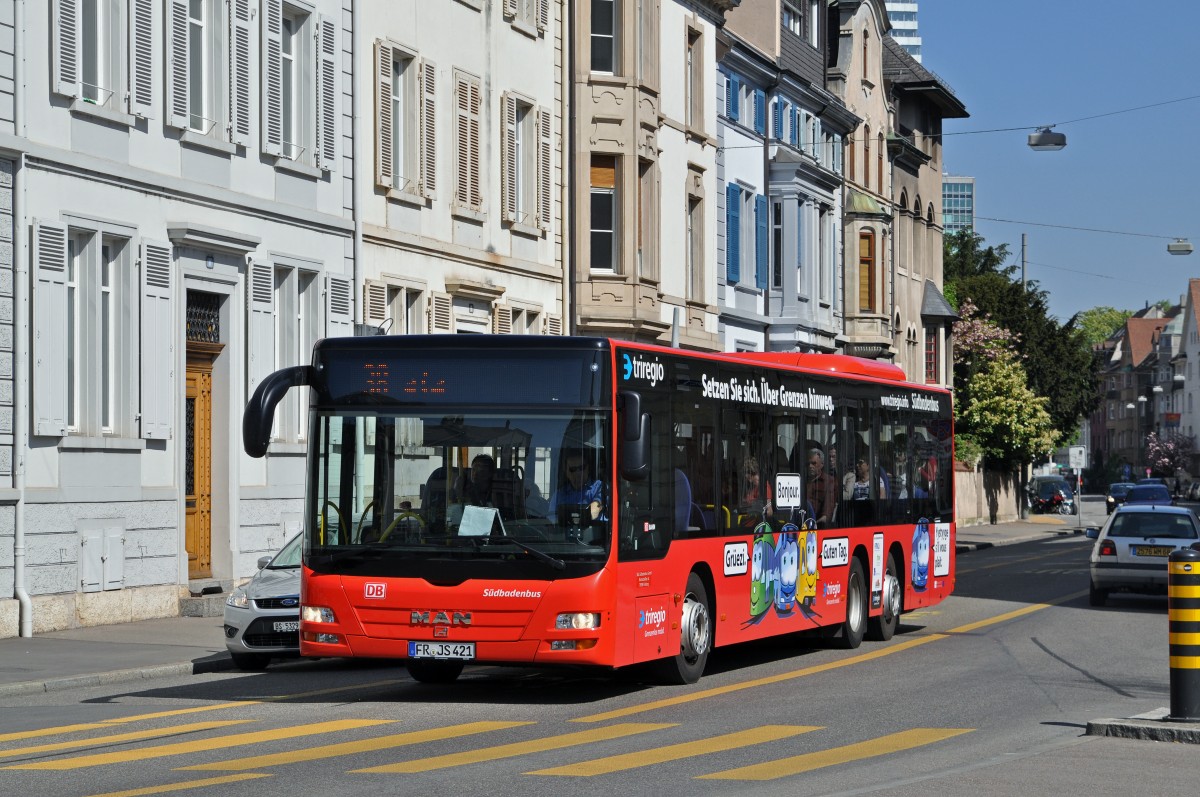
(521, 133)
(604, 42)
(612, 196)
(297, 286)
(792, 19)
(310, 109)
(297, 100)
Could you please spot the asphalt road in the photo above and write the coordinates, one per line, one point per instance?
(986, 694)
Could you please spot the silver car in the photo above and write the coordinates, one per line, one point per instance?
(262, 618)
(1131, 549)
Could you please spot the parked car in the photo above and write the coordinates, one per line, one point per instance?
(1156, 494)
(262, 618)
(1193, 491)
(1116, 495)
(1043, 486)
(1131, 549)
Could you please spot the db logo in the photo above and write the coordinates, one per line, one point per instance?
(376, 591)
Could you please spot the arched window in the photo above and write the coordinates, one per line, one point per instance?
(903, 199)
(929, 213)
(865, 50)
(879, 170)
(866, 271)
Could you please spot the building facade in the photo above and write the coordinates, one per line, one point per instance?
(958, 203)
(180, 184)
(906, 32)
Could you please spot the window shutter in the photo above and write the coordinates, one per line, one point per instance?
(648, 21)
(760, 242)
(339, 320)
(467, 99)
(554, 325)
(239, 72)
(375, 307)
(384, 157)
(177, 63)
(780, 110)
(50, 328)
(157, 325)
(66, 38)
(441, 313)
(760, 111)
(510, 8)
(733, 234)
(272, 77)
(545, 167)
(502, 319)
(508, 171)
(795, 135)
(141, 58)
(543, 14)
(733, 98)
(428, 129)
(260, 335)
(327, 92)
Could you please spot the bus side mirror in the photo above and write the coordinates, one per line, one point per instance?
(260, 412)
(634, 436)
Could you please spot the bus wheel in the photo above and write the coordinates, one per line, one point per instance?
(882, 628)
(856, 607)
(434, 671)
(696, 637)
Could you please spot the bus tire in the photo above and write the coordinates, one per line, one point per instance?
(855, 623)
(883, 627)
(695, 638)
(434, 671)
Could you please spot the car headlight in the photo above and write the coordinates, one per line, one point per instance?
(238, 598)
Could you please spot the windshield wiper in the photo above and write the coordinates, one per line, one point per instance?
(557, 564)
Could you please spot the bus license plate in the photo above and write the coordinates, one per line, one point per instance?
(287, 625)
(441, 650)
(1151, 550)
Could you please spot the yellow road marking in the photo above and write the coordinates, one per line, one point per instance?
(12, 737)
(718, 691)
(122, 737)
(521, 748)
(674, 752)
(350, 748)
(892, 743)
(187, 784)
(181, 711)
(200, 745)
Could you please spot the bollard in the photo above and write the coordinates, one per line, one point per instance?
(1183, 616)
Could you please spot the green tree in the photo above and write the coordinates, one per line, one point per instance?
(1003, 417)
(1098, 323)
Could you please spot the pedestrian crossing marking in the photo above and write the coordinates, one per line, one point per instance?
(178, 712)
(883, 745)
(19, 735)
(200, 745)
(350, 748)
(188, 784)
(122, 737)
(544, 744)
(675, 752)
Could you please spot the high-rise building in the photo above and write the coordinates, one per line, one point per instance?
(958, 203)
(903, 16)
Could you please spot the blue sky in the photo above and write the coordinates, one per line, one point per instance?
(1034, 62)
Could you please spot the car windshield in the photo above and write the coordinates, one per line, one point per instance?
(1048, 488)
(289, 555)
(1148, 493)
(1152, 524)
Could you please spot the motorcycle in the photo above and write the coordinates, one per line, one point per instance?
(1056, 503)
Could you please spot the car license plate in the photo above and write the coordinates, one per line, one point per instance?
(287, 625)
(441, 650)
(1152, 550)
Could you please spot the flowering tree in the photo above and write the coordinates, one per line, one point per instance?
(1168, 453)
(977, 335)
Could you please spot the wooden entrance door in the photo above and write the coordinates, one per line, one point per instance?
(198, 460)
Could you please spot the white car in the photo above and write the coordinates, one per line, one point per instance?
(262, 618)
(1131, 549)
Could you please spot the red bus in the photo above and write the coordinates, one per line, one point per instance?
(583, 501)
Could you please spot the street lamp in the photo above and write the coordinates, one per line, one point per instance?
(1180, 246)
(1046, 140)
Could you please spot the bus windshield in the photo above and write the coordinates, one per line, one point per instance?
(426, 492)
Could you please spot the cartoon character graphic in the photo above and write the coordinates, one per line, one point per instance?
(787, 561)
(920, 555)
(808, 572)
(762, 563)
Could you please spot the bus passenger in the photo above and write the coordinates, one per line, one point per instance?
(475, 487)
(822, 488)
(577, 489)
(756, 499)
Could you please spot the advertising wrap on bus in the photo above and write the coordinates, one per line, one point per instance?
(583, 501)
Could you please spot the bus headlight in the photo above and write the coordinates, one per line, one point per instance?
(579, 621)
(317, 614)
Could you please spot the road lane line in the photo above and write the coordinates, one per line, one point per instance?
(178, 712)
(201, 745)
(187, 784)
(18, 735)
(1011, 562)
(351, 748)
(123, 737)
(908, 644)
(892, 743)
(675, 752)
(521, 748)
